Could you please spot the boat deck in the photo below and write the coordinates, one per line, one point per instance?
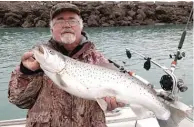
(123, 118)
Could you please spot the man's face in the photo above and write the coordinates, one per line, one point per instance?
(66, 28)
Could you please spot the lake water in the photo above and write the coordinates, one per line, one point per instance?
(156, 42)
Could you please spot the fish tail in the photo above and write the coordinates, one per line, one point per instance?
(177, 115)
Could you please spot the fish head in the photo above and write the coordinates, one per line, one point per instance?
(49, 59)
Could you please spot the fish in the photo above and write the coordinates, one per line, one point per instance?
(95, 82)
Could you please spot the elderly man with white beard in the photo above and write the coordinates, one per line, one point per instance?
(48, 105)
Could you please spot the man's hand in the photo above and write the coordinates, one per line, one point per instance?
(112, 103)
(29, 62)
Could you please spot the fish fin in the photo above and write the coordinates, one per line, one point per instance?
(102, 103)
(179, 111)
(176, 117)
(62, 83)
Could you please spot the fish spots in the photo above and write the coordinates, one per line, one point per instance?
(89, 75)
(99, 77)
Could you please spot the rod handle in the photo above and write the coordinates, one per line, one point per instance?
(182, 40)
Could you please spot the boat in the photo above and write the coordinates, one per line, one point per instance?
(121, 117)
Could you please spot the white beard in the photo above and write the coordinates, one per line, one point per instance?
(68, 38)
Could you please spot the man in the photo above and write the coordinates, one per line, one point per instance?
(48, 105)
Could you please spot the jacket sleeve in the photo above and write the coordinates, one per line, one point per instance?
(98, 117)
(24, 89)
(97, 58)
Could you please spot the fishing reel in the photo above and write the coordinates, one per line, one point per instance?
(182, 87)
(179, 57)
(166, 83)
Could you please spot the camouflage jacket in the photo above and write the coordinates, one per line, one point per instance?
(49, 106)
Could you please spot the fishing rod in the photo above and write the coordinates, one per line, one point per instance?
(133, 74)
(168, 82)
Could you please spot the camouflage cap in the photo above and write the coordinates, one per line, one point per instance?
(60, 7)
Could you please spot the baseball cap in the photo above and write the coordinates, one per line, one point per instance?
(60, 7)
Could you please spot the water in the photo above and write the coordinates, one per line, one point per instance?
(156, 42)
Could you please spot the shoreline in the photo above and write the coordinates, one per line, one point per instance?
(97, 14)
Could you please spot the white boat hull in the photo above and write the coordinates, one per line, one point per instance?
(122, 117)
